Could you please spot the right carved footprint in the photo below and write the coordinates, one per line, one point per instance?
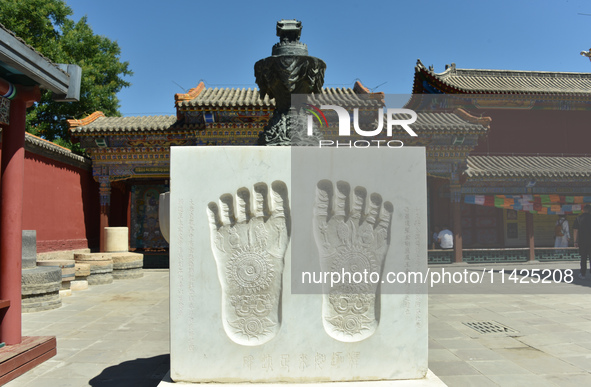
(249, 249)
(349, 240)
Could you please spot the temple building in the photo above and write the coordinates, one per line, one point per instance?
(532, 166)
(131, 155)
(506, 154)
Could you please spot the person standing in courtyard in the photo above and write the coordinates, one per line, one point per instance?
(446, 238)
(582, 237)
(561, 232)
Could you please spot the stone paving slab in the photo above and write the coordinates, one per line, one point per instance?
(106, 336)
(550, 345)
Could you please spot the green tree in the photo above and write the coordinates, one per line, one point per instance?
(46, 25)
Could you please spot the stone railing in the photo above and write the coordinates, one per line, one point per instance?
(501, 255)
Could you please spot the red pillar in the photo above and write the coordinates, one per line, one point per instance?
(105, 200)
(455, 194)
(529, 232)
(11, 213)
(457, 231)
(104, 222)
(128, 222)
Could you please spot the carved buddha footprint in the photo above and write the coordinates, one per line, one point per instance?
(249, 249)
(351, 240)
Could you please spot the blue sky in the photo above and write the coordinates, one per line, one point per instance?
(180, 42)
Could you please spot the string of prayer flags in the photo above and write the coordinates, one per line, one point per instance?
(537, 204)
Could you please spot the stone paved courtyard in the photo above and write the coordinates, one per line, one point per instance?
(117, 335)
(107, 335)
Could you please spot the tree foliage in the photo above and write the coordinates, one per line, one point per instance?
(47, 26)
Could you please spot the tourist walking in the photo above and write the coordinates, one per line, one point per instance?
(561, 232)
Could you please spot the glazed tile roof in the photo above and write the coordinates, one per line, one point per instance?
(228, 98)
(53, 148)
(225, 97)
(126, 124)
(443, 122)
(528, 167)
(50, 149)
(447, 122)
(510, 81)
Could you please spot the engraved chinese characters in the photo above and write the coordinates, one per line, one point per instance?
(249, 249)
(354, 244)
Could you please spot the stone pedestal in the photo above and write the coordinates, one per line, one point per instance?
(99, 270)
(116, 239)
(67, 267)
(40, 285)
(40, 289)
(243, 234)
(430, 380)
(29, 249)
(127, 265)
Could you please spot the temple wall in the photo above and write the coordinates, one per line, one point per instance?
(535, 131)
(60, 202)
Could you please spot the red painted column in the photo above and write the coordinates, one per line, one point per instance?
(128, 221)
(457, 231)
(105, 199)
(11, 213)
(456, 214)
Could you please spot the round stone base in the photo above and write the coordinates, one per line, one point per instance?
(100, 279)
(128, 274)
(67, 267)
(100, 265)
(40, 289)
(128, 265)
(39, 305)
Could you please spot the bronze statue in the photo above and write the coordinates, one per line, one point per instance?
(289, 70)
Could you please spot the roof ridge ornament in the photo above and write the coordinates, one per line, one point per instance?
(86, 120)
(463, 114)
(451, 67)
(191, 94)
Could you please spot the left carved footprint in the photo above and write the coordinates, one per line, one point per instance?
(249, 250)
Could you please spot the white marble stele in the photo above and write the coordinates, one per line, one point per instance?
(236, 214)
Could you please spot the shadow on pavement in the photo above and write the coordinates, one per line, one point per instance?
(144, 372)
